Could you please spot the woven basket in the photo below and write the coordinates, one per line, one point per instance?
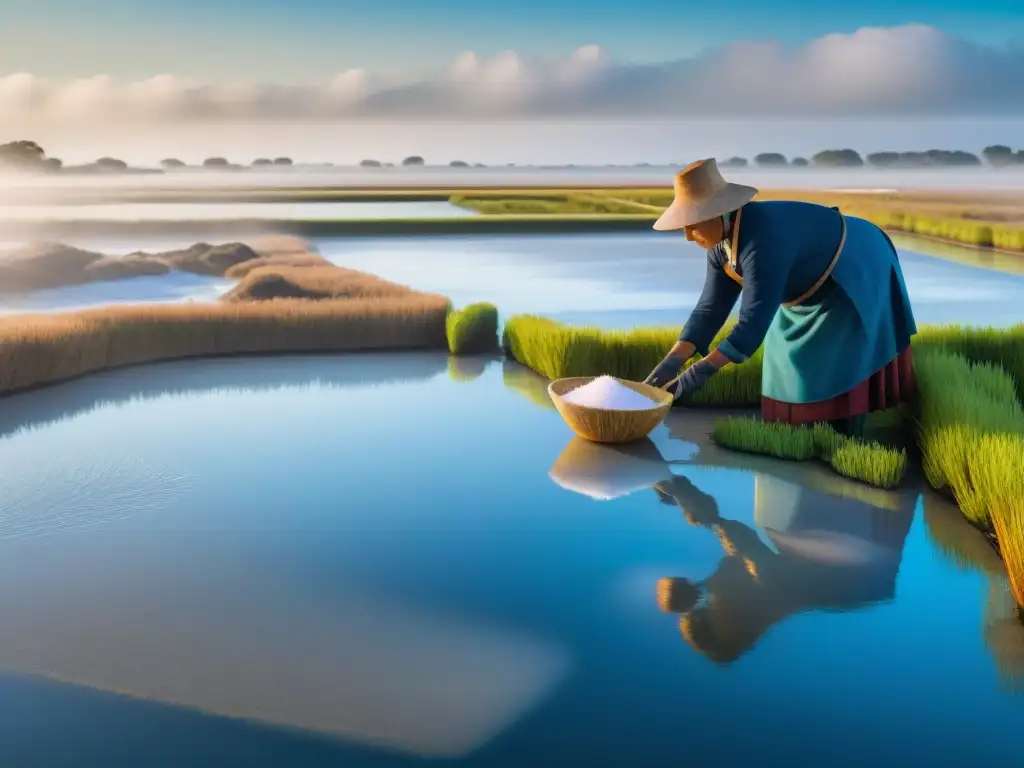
(602, 425)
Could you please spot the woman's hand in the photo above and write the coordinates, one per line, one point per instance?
(693, 378)
(673, 363)
(667, 370)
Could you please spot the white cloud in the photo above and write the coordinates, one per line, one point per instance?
(908, 70)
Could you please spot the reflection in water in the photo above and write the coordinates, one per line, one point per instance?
(967, 548)
(695, 426)
(832, 554)
(946, 527)
(231, 603)
(530, 385)
(464, 368)
(44, 407)
(305, 587)
(1004, 632)
(955, 537)
(606, 472)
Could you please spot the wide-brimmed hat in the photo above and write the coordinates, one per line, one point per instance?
(702, 194)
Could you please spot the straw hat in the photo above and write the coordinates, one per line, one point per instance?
(702, 194)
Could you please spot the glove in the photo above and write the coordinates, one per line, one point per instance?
(693, 378)
(667, 370)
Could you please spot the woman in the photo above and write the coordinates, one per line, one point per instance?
(824, 292)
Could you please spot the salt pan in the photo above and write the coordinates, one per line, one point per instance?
(606, 392)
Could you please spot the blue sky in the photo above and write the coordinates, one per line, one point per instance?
(294, 41)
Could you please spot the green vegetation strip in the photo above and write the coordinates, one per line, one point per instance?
(895, 215)
(968, 418)
(550, 204)
(472, 329)
(868, 461)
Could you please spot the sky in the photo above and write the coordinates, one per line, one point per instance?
(295, 41)
(84, 74)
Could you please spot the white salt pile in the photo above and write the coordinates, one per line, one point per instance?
(606, 392)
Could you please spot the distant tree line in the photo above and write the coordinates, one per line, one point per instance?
(29, 156)
(996, 156)
(26, 155)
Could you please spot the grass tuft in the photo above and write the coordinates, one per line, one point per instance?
(961, 406)
(995, 468)
(473, 329)
(867, 461)
(746, 433)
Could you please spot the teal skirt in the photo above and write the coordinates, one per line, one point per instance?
(857, 323)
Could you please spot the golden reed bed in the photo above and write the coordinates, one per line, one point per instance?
(37, 350)
(287, 300)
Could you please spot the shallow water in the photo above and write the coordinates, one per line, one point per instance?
(612, 280)
(372, 559)
(623, 280)
(172, 287)
(228, 211)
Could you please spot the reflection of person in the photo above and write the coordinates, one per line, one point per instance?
(823, 291)
(833, 554)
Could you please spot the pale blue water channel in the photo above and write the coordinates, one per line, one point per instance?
(623, 280)
(380, 559)
(609, 279)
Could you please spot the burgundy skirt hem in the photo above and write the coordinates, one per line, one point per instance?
(886, 388)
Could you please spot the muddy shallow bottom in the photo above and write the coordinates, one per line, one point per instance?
(371, 559)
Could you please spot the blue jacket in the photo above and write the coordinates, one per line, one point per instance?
(784, 248)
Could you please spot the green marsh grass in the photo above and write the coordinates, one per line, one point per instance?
(996, 472)
(973, 222)
(577, 202)
(867, 461)
(961, 405)
(472, 329)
